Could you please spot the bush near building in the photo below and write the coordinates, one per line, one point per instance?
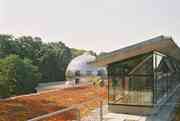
(17, 76)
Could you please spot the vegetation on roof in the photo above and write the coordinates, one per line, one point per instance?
(28, 107)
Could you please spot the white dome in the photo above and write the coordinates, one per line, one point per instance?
(80, 64)
(80, 68)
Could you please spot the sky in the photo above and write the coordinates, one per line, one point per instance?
(98, 25)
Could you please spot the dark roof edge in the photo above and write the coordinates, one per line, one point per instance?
(149, 41)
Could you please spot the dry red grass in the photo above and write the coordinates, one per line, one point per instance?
(28, 107)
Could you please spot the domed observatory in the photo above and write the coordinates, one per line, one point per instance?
(80, 70)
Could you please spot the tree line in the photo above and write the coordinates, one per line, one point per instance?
(26, 61)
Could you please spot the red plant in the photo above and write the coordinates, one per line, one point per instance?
(28, 107)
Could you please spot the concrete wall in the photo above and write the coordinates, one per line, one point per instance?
(136, 110)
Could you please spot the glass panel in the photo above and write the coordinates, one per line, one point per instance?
(131, 81)
(174, 74)
(166, 76)
(145, 67)
(141, 90)
(161, 76)
(115, 90)
(127, 66)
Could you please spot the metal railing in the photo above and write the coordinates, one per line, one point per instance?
(75, 107)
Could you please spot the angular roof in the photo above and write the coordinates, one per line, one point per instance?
(162, 44)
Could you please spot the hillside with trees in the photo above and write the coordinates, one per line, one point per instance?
(25, 61)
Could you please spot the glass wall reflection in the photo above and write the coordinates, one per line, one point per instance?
(131, 81)
(143, 80)
(167, 75)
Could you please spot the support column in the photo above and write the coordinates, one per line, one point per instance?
(101, 111)
(78, 116)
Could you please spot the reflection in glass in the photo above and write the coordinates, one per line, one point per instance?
(143, 80)
(80, 68)
(131, 81)
(166, 76)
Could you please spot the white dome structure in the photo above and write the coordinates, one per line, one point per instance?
(79, 67)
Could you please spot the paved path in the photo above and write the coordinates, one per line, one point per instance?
(50, 86)
(42, 87)
(165, 113)
(94, 116)
(123, 117)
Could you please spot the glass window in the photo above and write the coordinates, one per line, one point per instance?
(131, 81)
(143, 80)
(89, 73)
(166, 76)
(161, 77)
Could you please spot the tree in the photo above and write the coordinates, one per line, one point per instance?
(53, 62)
(7, 45)
(76, 52)
(17, 76)
(51, 58)
(29, 47)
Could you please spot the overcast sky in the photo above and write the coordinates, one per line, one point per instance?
(99, 25)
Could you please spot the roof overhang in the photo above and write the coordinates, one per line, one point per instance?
(162, 44)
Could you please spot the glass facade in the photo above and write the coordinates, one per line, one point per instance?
(166, 76)
(142, 80)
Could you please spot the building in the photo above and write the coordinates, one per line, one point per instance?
(80, 68)
(142, 77)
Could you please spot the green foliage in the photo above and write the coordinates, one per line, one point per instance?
(50, 58)
(24, 59)
(7, 45)
(114, 83)
(97, 81)
(17, 76)
(29, 47)
(102, 54)
(77, 52)
(53, 62)
(25, 46)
